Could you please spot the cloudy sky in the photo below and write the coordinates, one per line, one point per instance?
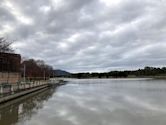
(87, 35)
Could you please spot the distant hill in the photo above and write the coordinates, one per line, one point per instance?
(59, 72)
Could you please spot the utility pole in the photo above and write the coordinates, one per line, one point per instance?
(8, 70)
(44, 75)
(24, 72)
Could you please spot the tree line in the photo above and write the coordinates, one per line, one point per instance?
(36, 69)
(145, 72)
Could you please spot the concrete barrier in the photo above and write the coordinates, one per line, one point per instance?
(6, 88)
(19, 94)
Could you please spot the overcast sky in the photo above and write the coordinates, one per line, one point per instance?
(87, 35)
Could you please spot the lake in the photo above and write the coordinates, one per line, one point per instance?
(91, 102)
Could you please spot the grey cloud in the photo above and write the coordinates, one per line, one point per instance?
(87, 35)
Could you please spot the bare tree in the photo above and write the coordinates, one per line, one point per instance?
(37, 69)
(5, 45)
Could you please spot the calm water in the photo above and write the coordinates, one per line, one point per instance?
(92, 102)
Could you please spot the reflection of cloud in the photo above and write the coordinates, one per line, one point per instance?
(144, 104)
(107, 104)
(73, 120)
(80, 101)
(63, 112)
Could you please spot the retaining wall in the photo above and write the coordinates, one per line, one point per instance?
(11, 77)
(22, 93)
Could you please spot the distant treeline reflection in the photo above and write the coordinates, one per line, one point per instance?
(147, 71)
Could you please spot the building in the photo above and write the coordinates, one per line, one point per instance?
(10, 68)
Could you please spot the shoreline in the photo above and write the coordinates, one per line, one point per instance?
(22, 93)
(32, 90)
(147, 77)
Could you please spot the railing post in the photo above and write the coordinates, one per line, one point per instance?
(11, 88)
(1, 89)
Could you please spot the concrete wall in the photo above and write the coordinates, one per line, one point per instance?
(16, 95)
(11, 78)
(13, 88)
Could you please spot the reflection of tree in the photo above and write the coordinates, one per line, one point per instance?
(6, 113)
(24, 108)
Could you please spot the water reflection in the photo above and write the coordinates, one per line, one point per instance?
(94, 102)
(23, 108)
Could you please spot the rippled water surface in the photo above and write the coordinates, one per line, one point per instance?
(92, 102)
